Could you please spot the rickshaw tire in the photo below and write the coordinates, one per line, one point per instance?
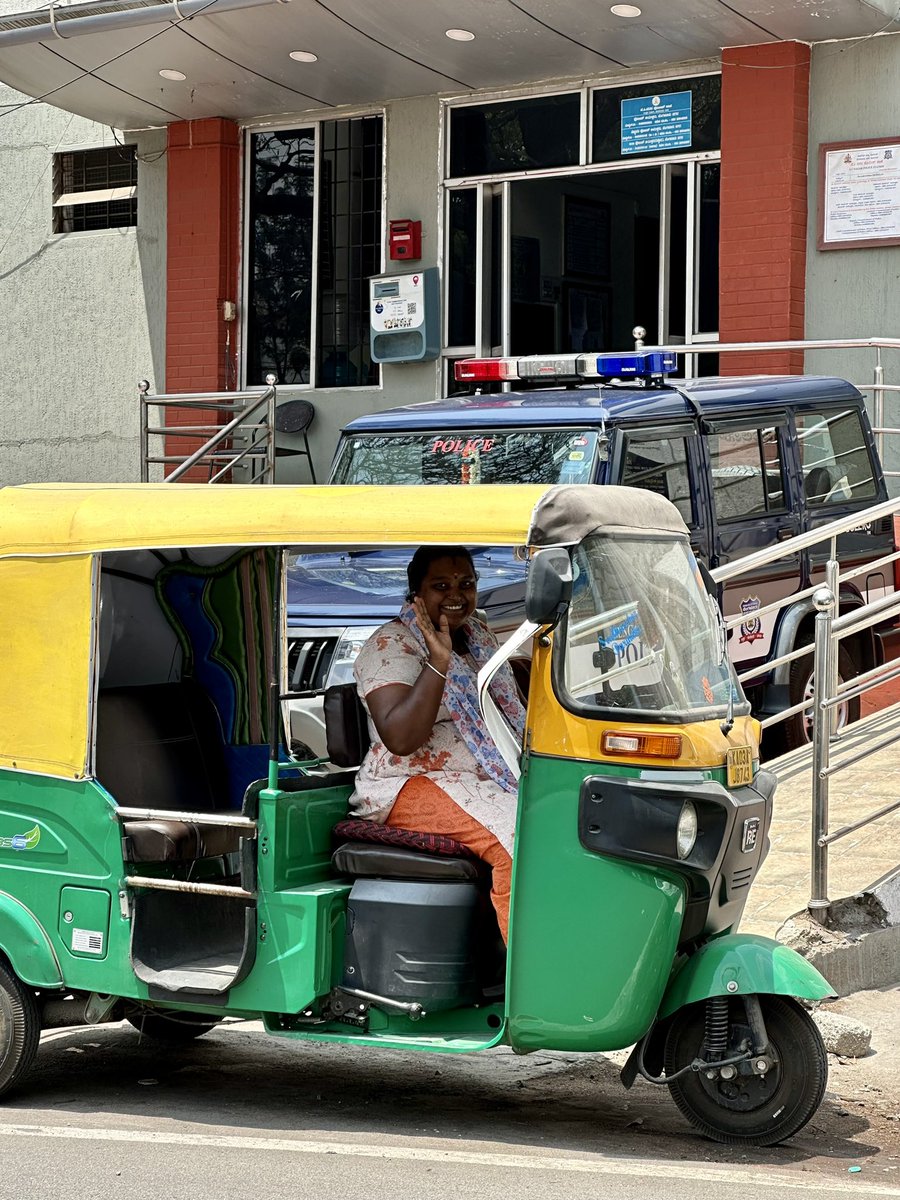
(20, 1030)
(802, 1075)
(179, 1027)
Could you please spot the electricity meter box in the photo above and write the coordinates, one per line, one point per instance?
(405, 316)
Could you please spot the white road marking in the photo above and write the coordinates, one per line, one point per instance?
(598, 1164)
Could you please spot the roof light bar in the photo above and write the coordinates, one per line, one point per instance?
(644, 365)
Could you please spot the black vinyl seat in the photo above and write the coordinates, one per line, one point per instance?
(160, 746)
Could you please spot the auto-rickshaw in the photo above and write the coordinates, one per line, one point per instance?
(163, 861)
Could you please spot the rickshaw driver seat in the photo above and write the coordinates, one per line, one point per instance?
(160, 746)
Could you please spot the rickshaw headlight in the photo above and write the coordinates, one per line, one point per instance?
(686, 833)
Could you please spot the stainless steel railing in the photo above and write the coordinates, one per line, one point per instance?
(247, 440)
(828, 692)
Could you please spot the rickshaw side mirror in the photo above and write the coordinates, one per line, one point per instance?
(549, 586)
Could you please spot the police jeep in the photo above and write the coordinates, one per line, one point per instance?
(749, 462)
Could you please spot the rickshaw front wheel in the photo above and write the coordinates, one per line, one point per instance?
(749, 1109)
(20, 1029)
(172, 1026)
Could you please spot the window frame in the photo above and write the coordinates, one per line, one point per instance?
(66, 205)
(312, 122)
(778, 423)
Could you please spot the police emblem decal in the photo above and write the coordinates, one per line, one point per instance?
(751, 629)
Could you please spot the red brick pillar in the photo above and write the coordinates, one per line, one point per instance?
(202, 265)
(762, 234)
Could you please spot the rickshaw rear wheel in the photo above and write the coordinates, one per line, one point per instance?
(20, 1029)
(172, 1026)
(754, 1110)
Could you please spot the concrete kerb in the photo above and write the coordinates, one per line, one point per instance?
(858, 949)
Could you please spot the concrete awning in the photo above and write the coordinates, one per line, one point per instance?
(103, 60)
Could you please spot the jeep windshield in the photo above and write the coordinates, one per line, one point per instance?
(475, 456)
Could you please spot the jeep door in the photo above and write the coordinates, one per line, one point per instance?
(752, 508)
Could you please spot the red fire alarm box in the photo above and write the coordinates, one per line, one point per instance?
(405, 240)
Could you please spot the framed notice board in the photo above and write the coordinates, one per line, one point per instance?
(587, 248)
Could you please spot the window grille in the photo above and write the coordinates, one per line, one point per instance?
(95, 189)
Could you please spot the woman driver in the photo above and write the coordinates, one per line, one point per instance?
(432, 766)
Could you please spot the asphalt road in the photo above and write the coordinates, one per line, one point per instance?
(238, 1114)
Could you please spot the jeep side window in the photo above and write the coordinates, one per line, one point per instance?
(661, 467)
(834, 457)
(747, 473)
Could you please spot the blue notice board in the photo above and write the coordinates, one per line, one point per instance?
(651, 123)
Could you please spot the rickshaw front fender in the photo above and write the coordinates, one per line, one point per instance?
(743, 965)
(25, 945)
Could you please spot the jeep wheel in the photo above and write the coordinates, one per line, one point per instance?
(798, 728)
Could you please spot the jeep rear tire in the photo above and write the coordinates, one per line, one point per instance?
(798, 728)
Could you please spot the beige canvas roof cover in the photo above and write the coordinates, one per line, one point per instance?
(568, 513)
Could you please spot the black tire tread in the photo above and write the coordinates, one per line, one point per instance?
(789, 1026)
(26, 1032)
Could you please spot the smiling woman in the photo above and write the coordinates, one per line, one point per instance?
(432, 766)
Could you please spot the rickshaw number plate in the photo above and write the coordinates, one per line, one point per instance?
(739, 765)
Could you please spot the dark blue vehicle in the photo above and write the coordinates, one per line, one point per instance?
(748, 462)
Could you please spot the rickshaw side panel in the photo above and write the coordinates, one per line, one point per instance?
(61, 863)
(566, 991)
(744, 964)
(44, 702)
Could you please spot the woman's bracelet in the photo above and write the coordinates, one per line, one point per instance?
(434, 668)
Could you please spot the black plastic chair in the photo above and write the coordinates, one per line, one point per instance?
(294, 418)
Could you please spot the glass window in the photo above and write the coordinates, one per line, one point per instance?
(834, 458)
(702, 131)
(660, 466)
(280, 250)
(642, 633)
(461, 260)
(279, 300)
(515, 135)
(747, 476)
(468, 457)
(95, 189)
(349, 249)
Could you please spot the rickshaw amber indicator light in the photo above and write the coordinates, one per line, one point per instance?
(649, 745)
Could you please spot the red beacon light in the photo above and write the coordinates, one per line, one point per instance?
(486, 370)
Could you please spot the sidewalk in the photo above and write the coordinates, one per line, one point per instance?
(857, 861)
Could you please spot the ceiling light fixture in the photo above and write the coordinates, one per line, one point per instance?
(459, 35)
(176, 76)
(303, 56)
(625, 10)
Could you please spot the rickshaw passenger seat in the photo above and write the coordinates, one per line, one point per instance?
(161, 746)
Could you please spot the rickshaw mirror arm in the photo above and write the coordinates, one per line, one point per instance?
(506, 741)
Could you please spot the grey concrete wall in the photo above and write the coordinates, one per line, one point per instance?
(82, 314)
(854, 94)
(413, 190)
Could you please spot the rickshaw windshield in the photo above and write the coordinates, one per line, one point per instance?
(642, 634)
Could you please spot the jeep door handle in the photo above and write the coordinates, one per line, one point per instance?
(783, 534)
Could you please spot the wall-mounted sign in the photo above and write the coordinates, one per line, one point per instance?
(660, 122)
(859, 194)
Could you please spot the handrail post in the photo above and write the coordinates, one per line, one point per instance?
(143, 389)
(824, 601)
(269, 475)
(878, 397)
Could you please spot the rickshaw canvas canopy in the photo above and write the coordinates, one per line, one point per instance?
(568, 513)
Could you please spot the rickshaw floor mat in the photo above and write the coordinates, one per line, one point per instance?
(182, 942)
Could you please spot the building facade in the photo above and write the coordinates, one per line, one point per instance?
(684, 195)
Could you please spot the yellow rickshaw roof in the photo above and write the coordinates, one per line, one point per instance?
(54, 519)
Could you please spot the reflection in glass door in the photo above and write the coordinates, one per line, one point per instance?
(575, 262)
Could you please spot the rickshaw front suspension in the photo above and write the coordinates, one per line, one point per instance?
(755, 1057)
